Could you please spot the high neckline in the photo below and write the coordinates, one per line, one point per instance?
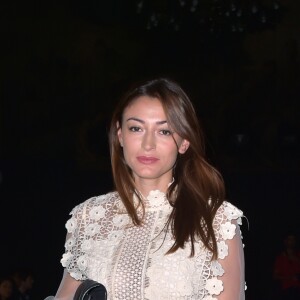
(155, 200)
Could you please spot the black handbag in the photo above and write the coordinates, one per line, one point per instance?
(90, 290)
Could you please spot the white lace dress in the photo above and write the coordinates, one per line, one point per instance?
(103, 245)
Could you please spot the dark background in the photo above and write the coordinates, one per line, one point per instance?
(65, 64)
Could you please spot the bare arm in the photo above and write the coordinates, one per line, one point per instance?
(67, 287)
(233, 265)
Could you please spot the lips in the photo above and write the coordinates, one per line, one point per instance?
(147, 160)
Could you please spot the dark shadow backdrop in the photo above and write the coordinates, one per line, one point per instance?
(65, 64)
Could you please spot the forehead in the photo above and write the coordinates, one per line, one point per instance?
(145, 105)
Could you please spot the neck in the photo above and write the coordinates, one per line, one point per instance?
(146, 186)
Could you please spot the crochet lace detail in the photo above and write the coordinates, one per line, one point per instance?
(131, 261)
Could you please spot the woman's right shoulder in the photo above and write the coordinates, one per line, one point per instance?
(105, 201)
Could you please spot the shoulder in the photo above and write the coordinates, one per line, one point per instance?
(228, 212)
(106, 201)
(226, 221)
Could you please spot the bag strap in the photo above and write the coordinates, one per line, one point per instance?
(87, 287)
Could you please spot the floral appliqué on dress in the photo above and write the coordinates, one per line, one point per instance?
(131, 261)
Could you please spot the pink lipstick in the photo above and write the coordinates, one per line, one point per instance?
(147, 160)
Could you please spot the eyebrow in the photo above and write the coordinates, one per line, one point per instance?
(143, 122)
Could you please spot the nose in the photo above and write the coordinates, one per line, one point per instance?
(149, 141)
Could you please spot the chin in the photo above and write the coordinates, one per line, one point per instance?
(147, 175)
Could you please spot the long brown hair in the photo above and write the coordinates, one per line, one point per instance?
(198, 189)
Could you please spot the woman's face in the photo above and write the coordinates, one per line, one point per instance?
(149, 144)
(5, 289)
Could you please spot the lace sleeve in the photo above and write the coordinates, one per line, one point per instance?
(230, 253)
(233, 265)
(74, 257)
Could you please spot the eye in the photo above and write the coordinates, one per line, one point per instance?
(134, 128)
(165, 132)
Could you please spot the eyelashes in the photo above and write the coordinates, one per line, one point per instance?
(165, 132)
(135, 129)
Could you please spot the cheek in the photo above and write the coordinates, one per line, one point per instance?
(129, 150)
(129, 145)
(170, 151)
(173, 155)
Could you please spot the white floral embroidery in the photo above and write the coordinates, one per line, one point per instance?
(239, 221)
(76, 275)
(104, 247)
(66, 258)
(92, 229)
(86, 246)
(209, 298)
(216, 268)
(156, 194)
(114, 235)
(120, 220)
(82, 262)
(227, 230)
(231, 212)
(70, 243)
(139, 262)
(100, 198)
(156, 198)
(222, 249)
(97, 213)
(214, 286)
(71, 225)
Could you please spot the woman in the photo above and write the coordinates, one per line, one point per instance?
(166, 232)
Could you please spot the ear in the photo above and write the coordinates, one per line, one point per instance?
(184, 146)
(120, 136)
